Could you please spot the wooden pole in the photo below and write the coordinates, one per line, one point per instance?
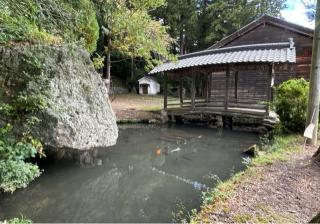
(313, 104)
(193, 89)
(270, 85)
(181, 91)
(226, 101)
(236, 85)
(209, 87)
(165, 92)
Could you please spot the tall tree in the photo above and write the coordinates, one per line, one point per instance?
(310, 5)
(197, 24)
(222, 17)
(314, 95)
(128, 28)
(181, 18)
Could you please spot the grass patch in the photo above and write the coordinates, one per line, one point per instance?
(280, 149)
(21, 220)
(243, 218)
(152, 108)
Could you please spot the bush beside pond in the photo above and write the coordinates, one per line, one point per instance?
(291, 104)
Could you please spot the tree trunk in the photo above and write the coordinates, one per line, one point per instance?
(181, 42)
(132, 68)
(107, 75)
(317, 155)
(313, 105)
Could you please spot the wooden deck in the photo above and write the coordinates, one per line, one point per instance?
(231, 111)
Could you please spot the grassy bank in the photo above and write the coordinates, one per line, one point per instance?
(280, 149)
(21, 220)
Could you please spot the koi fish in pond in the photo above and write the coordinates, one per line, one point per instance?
(175, 150)
(160, 151)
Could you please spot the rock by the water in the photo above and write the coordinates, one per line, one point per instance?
(251, 150)
(79, 115)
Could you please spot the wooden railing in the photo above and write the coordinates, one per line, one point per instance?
(201, 102)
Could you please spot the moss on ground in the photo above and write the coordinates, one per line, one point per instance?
(280, 149)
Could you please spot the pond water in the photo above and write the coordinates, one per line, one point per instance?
(146, 177)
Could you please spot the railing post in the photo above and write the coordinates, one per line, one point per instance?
(193, 90)
(227, 88)
(270, 86)
(208, 88)
(165, 92)
(236, 77)
(181, 91)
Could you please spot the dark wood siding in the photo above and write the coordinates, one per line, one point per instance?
(271, 34)
(248, 87)
(267, 33)
(218, 88)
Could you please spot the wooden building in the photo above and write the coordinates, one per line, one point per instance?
(236, 75)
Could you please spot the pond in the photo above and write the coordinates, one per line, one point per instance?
(152, 173)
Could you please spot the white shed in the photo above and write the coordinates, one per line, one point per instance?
(148, 86)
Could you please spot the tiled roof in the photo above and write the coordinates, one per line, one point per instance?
(149, 78)
(256, 53)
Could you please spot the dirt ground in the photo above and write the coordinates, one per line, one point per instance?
(133, 107)
(282, 192)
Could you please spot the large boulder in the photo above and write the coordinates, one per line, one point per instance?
(78, 114)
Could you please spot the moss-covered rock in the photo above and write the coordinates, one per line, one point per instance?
(58, 92)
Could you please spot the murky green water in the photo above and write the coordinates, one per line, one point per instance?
(143, 178)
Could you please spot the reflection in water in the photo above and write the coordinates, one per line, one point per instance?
(138, 180)
(196, 185)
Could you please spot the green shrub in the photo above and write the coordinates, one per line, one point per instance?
(48, 21)
(17, 174)
(14, 171)
(291, 104)
(23, 96)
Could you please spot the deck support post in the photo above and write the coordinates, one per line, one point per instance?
(165, 91)
(226, 101)
(208, 88)
(181, 92)
(193, 89)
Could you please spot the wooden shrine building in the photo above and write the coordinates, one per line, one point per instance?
(236, 75)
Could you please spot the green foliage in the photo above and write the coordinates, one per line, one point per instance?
(182, 215)
(23, 95)
(128, 28)
(17, 174)
(221, 18)
(183, 22)
(98, 61)
(279, 149)
(291, 104)
(197, 24)
(21, 220)
(48, 21)
(310, 6)
(14, 171)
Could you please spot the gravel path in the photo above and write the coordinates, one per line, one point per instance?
(282, 192)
